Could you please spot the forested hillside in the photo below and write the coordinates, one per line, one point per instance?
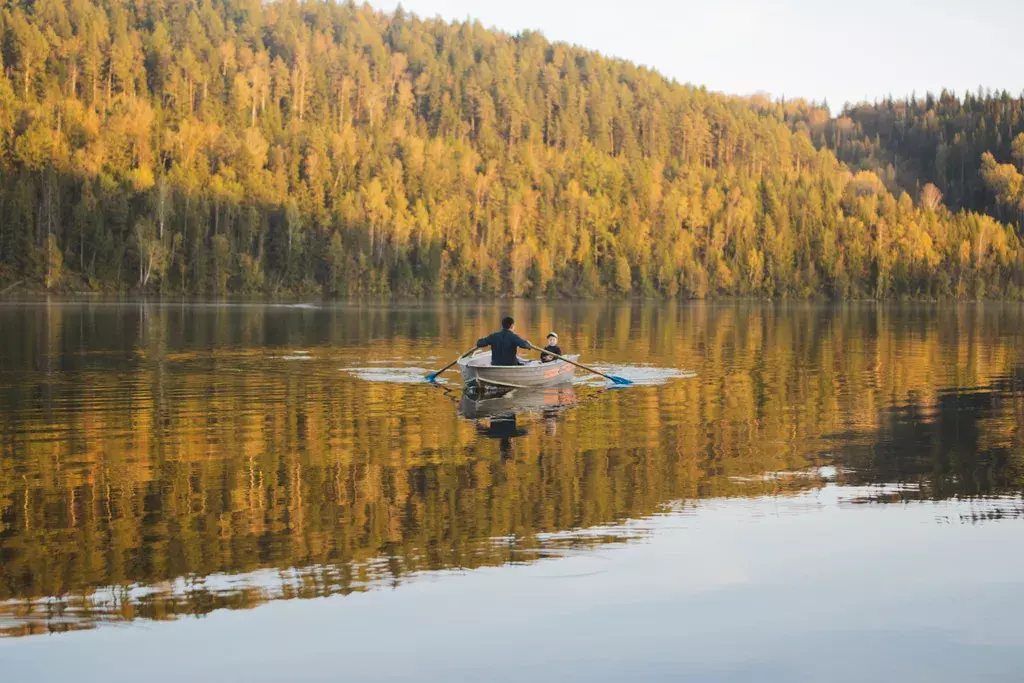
(219, 146)
(971, 149)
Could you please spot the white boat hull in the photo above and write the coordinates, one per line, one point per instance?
(477, 370)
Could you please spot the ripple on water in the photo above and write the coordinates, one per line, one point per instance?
(399, 363)
(296, 355)
(641, 375)
(403, 372)
(393, 375)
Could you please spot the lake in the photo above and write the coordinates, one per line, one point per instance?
(790, 492)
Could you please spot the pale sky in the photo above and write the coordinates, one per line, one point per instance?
(843, 51)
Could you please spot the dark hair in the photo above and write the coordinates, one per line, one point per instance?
(507, 322)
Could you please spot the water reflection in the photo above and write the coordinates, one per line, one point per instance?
(161, 460)
(958, 442)
(548, 401)
(498, 413)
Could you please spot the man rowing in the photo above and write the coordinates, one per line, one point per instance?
(505, 343)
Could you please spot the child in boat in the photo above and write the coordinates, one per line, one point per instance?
(552, 347)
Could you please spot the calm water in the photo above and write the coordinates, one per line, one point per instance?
(791, 492)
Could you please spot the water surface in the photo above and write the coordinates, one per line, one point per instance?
(789, 490)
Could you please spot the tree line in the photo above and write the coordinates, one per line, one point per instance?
(970, 148)
(239, 147)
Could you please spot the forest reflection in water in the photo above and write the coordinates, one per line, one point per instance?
(159, 460)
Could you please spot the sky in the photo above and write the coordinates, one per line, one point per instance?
(836, 51)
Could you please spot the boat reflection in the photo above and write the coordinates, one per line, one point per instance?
(498, 412)
(476, 405)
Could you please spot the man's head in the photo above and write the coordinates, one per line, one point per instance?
(552, 339)
(507, 323)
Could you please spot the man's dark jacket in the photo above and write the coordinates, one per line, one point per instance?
(503, 346)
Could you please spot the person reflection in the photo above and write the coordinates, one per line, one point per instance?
(505, 429)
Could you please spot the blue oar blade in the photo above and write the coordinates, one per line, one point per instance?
(431, 377)
(622, 381)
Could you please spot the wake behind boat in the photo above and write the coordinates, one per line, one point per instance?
(478, 371)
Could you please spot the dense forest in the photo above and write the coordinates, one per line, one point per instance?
(971, 149)
(235, 146)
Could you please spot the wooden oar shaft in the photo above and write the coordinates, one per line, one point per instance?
(572, 362)
(435, 374)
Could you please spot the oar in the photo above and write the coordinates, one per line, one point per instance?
(617, 380)
(432, 376)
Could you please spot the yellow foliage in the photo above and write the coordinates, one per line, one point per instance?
(142, 178)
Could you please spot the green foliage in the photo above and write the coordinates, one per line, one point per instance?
(54, 263)
(269, 148)
(948, 141)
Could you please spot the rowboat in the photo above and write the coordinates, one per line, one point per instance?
(478, 371)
